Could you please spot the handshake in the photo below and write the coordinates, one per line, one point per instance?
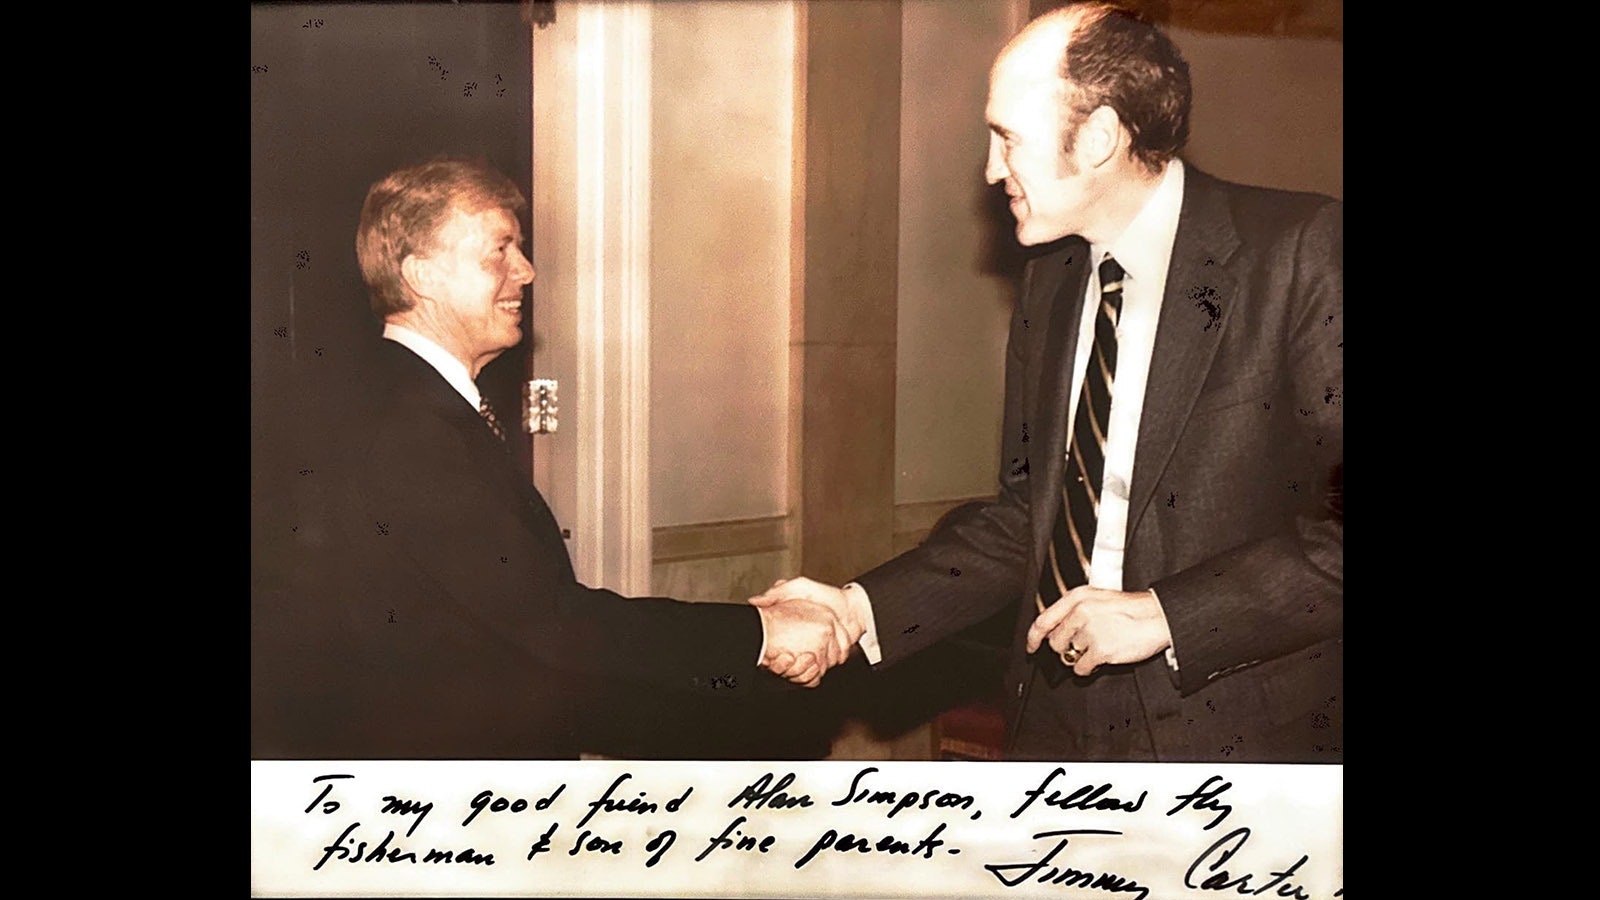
(809, 627)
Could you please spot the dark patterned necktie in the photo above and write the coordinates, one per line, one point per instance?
(1072, 539)
(487, 412)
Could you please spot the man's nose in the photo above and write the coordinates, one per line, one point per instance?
(524, 272)
(995, 170)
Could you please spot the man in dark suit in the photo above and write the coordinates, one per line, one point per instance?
(452, 624)
(1173, 427)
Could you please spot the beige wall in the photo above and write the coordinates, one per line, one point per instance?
(1267, 111)
(722, 144)
(953, 315)
(721, 138)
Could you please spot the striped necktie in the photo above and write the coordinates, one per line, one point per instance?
(1072, 538)
(487, 412)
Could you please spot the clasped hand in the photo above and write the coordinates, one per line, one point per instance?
(809, 626)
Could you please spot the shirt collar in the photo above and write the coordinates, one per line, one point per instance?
(453, 370)
(1145, 247)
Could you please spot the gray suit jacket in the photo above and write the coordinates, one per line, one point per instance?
(1230, 519)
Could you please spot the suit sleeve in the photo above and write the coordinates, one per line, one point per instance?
(493, 566)
(974, 563)
(1284, 592)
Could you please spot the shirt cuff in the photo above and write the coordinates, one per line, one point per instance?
(1171, 653)
(761, 657)
(860, 606)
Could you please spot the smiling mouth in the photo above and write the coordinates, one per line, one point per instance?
(509, 306)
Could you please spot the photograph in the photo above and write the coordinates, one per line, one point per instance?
(827, 387)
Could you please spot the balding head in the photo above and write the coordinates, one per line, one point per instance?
(1102, 55)
(1087, 104)
(1036, 51)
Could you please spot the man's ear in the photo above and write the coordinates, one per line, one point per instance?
(1100, 137)
(417, 273)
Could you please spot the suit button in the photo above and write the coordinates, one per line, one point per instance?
(1019, 689)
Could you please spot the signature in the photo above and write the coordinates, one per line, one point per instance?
(1221, 879)
(1078, 878)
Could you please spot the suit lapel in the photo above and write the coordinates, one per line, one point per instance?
(414, 376)
(1196, 307)
(1059, 286)
(1053, 288)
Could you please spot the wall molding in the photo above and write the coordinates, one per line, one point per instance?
(711, 540)
(592, 299)
(769, 534)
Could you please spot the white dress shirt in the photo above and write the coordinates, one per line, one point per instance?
(1144, 250)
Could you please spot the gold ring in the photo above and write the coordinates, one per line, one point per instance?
(1071, 654)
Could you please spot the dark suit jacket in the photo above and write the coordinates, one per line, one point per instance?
(454, 626)
(1229, 519)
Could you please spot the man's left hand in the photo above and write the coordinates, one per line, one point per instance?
(1104, 626)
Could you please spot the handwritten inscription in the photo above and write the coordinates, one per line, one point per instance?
(1085, 798)
(762, 793)
(407, 808)
(329, 807)
(640, 804)
(848, 842)
(939, 798)
(597, 829)
(724, 841)
(486, 800)
(347, 848)
(1204, 798)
